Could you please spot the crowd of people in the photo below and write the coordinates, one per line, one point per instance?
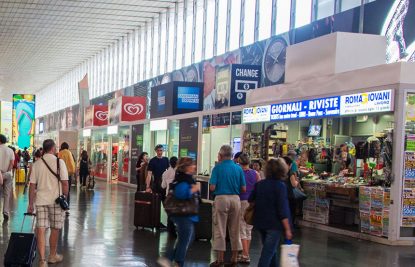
(236, 183)
(235, 186)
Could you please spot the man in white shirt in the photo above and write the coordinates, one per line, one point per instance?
(6, 166)
(45, 188)
(169, 175)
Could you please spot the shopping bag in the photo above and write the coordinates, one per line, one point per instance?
(289, 255)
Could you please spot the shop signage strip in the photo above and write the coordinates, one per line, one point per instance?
(362, 103)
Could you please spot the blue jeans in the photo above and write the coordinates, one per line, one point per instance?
(270, 255)
(185, 234)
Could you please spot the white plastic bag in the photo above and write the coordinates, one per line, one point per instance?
(289, 255)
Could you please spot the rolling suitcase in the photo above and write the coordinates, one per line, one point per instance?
(147, 210)
(21, 251)
(20, 176)
(203, 229)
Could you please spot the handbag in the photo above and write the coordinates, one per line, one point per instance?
(249, 214)
(298, 194)
(181, 207)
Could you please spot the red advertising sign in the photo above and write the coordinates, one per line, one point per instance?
(133, 108)
(100, 115)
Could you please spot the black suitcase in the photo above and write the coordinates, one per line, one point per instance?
(21, 251)
(203, 229)
(147, 210)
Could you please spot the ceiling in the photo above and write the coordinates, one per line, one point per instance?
(40, 40)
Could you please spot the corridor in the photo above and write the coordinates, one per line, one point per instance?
(100, 232)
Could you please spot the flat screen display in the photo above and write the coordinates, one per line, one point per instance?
(314, 130)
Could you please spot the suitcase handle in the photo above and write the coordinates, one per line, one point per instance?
(24, 217)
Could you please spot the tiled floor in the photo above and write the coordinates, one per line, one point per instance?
(100, 232)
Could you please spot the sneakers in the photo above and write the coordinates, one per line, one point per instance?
(55, 258)
(164, 262)
(43, 263)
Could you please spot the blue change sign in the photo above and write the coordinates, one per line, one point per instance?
(188, 97)
(243, 79)
(315, 108)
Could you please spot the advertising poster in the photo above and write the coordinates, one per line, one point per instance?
(6, 118)
(52, 122)
(209, 76)
(370, 102)
(222, 119)
(41, 125)
(89, 116)
(73, 117)
(243, 79)
(410, 107)
(188, 141)
(162, 100)
(63, 119)
(115, 107)
(188, 97)
(236, 118)
(133, 108)
(393, 19)
(223, 82)
(23, 120)
(100, 115)
(206, 123)
(365, 222)
(409, 165)
(376, 219)
(136, 149)
(364, 199)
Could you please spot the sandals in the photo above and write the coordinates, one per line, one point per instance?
(217, 264)
(244, 259)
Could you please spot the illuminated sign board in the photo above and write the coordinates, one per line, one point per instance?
(361, 103)
(307, 109)
(256, 114)
(370, 102)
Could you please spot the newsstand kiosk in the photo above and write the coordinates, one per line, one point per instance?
(350, 118)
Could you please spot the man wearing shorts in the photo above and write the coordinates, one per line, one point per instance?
(6, 166)
(45, 188)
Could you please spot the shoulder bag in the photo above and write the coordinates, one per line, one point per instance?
(181, 207)
(249, 214)
(61, 200)
(298, 194)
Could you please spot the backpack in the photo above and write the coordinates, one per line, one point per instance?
(26, 156)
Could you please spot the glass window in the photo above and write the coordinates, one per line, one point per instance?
(199, 30)
(210, 28)
(222, 16)
(283, 16)
(163, 41)
(155, 55)
(189, 33)
(149, 49)
(325, 8)
(136, 55)
(249, 24)
(303, 12)
(265, 19)
(170, 49)
(142, 53)
(180, 32)
(349, 4)
(235, 24)
(131, 40)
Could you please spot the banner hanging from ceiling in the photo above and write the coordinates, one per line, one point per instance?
(23, 120)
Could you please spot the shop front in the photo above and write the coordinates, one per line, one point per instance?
(351, 146)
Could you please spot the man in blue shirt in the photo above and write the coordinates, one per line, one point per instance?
(227, 182)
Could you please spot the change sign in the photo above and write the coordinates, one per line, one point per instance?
(244, 78)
